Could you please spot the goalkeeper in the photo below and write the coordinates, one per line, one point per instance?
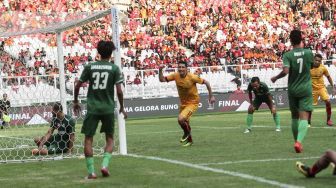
(59, 143)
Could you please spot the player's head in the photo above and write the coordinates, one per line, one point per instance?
(57, 110)
(182, 68)
(105, 49)
(317, 60)
(295, 37)
(255, 82)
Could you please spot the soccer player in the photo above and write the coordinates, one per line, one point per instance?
(4, 109)
(319, 89)
(261, 95)
(297, 63)
(329, 157)
(63, 141)
(102, 76)
(188, 94)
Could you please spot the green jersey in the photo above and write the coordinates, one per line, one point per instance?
(262, 90)
(102, 76)
(299, 61)
(66, 126)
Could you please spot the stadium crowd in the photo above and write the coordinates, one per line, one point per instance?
(238, 32)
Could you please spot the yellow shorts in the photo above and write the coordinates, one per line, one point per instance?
(323, 93)
(187, 110)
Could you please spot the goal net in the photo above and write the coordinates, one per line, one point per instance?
(32, 78)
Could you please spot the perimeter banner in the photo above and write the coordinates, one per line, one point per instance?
(139, 108)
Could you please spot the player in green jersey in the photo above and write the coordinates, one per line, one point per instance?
(297, 63)
(62, 142)
(102, 76)
(261, 94)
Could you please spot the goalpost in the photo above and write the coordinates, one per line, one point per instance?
(31, 111)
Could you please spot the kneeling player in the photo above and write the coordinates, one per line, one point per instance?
(62, 142)
(261, 94)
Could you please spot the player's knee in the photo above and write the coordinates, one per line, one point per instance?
(327, 102)
(181, 120)
(329, 153)
(251, 110)
(37, 140)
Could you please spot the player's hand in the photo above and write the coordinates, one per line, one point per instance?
(274, 79)
(76, 108)
(212, 100)
(121, 110)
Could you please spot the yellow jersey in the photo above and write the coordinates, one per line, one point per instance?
(317, 76)
(186, 87)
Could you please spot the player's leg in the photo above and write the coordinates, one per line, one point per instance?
(253, 107)
(276, 116)
(293, 105)
(315, 101)
(108, 129)
(89, 129)
(183, 120)
(323, 162)
(249, 118)
(305, 106)
(325, 97)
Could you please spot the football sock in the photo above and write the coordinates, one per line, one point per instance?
(276, 118)
(309, 117)
(90, 164)
(314, 170)
(106, 159)
(303, 127)
(249, 120)
(295, 126)
(328, 109)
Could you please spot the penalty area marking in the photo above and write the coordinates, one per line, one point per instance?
(221, 171)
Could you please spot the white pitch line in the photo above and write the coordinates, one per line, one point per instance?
(221, 171)
(257, 161)
(154, 132)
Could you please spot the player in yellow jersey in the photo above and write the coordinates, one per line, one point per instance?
(188, 94)
(319, 89)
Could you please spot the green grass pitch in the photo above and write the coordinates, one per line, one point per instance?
(222, 156)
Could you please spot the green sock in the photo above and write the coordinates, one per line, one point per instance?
(295, 127)
(303, 127)
(249, 120)
(106, 159)
(90, 164)
(276, 118)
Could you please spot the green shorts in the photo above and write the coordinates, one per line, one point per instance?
(91, 121)
(57, 144)
(300, 103)
(259, 100)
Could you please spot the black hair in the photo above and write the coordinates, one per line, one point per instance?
(57, 107)
(295, 37)
(318, 55)
(255, 79)
(184, 63)
(105, 49)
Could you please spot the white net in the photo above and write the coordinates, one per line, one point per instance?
(30, 78)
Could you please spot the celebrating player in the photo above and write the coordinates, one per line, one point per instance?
(261, 94)
(319, 89)
(297, 63)
(62, 142)
(323, 162)
(102, 76)
(189, 98)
